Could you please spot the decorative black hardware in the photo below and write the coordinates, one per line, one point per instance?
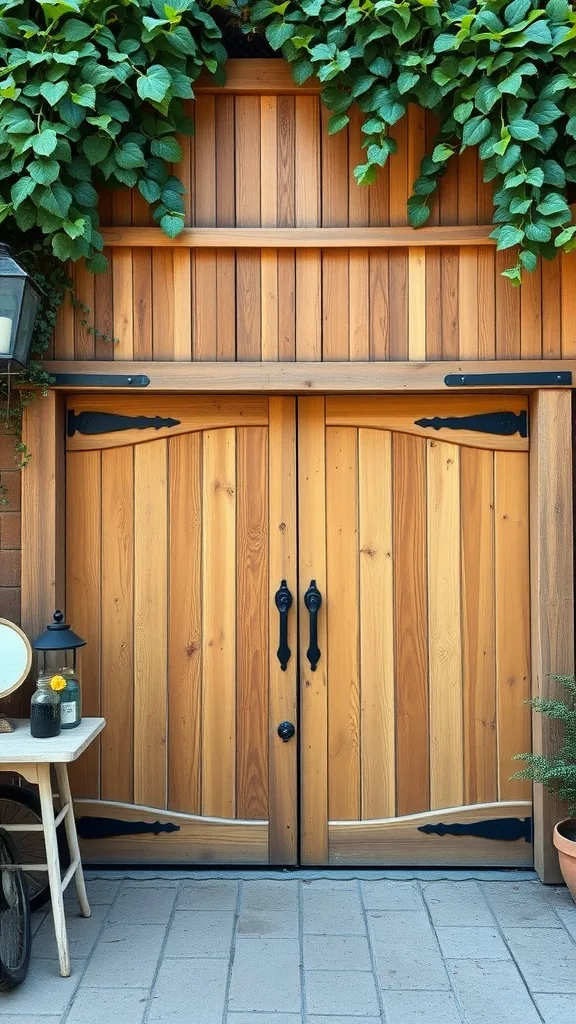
(535, 380)
(313, 600)
(506, 423)
(104, 828)
(286, 731)
(283, 599)
(101, 380)
(107, 422)
(508, 829)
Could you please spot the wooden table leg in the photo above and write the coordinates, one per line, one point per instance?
(53, 862)
(72, 836)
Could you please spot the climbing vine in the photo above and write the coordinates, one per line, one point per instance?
(499, 74)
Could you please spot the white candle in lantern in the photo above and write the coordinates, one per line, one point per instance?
(5, 335)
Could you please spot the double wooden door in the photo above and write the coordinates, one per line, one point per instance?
(400, 528)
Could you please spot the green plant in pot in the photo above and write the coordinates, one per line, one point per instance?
(558, 773)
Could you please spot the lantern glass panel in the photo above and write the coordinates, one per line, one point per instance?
(11, 294)
(30, 306)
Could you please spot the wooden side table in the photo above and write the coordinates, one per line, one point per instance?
(32, 758)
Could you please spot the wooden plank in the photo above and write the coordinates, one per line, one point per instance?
(202, 414)
(196, 840)
(248, 214)
(478, 625)
(43, 536)
(552, 304)
(84, 312)
(512, 617)
(413, 415)
(568, 311)
(117, 668)
(507, 303)
(286, 190)
(307, 213)
(300, 237)
(205, 312)
(259, 77)
(468, 258)
(531, 314)
(376, 607)
(225, 217)
(444, 625)
(449, 264)
(552, 592)
(342, 615)
(122, 283)
(182, 304)
(359, 264)
(306, 377)
(164, 304)
(185, 623)
(313, 693)
(283, 773)
(486, 273)
(150, 622)
(141, 284)
(269, 201)
(252, 595)
(398, 841)
(83, 597)
(335, 276)
(219, 627)
(411, 625)
(416, 149)
(398, 261)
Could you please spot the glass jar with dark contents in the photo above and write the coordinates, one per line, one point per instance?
(45, 709)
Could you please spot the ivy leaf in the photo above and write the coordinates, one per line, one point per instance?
(462, 112)
(167, 148)
(149, 189)
(129, 156)
(476, 129)
(552, 203)
(53, 92)
(529, 260)
(74, 30)
(538, 231)
(337, 122)
(45, 143)
(512, 84)
(171, 225)
(445, 42)
(406, 81)
(554, 174)
(535, 177)
(85, 96)
(21, 189)
(523, 129)
(279, 33)
(97, 264)
(507, 236)
(96, 148)
(365, 174)
(442, 153)
(418, 215)
(154, 84)
(515, 11)
(44, 171)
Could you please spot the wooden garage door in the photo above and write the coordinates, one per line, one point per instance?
(180, 528)
(413, 521)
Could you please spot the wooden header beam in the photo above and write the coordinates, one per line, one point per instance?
(302, 378)
(300, 238)
(257, 77)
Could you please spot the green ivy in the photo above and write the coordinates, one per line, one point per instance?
(92, 93)
(499, 74)
(557, 772)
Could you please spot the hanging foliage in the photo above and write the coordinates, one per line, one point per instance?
(92, 93)
(499, 75)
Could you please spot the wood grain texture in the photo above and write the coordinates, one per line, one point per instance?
(219, 610)
(376, 624)
(512, 617)
(307, 213)
(83, 590)
(301, 237)
(478, 625)
(185, 623)
(411, 624)
(313, 693)
(444, 625)
(283, 769)
(552, 591)
(342, 615)
(117, 668)
(252, 584)
(150, 622)
(397, 841)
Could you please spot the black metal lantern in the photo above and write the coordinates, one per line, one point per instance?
(19, 304)
(56, 643)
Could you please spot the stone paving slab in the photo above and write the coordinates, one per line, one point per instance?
(308, 948)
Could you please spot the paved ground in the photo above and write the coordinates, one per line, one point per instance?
(321, 949)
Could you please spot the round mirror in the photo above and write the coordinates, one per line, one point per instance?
(15, 657)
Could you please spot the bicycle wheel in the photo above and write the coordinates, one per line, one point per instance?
(21, 806)
(15, 931)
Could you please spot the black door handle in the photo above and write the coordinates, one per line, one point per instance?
(286, 731)
(283, 599)
(313, 600)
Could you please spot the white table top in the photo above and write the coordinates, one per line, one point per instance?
(19, 747)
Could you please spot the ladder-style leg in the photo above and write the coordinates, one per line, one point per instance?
(53, 862)
(72, 836)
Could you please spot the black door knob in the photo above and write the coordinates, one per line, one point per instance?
(286, 731)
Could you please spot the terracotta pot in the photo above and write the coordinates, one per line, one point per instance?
(567, 853)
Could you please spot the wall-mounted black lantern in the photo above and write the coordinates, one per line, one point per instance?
(19, 304)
